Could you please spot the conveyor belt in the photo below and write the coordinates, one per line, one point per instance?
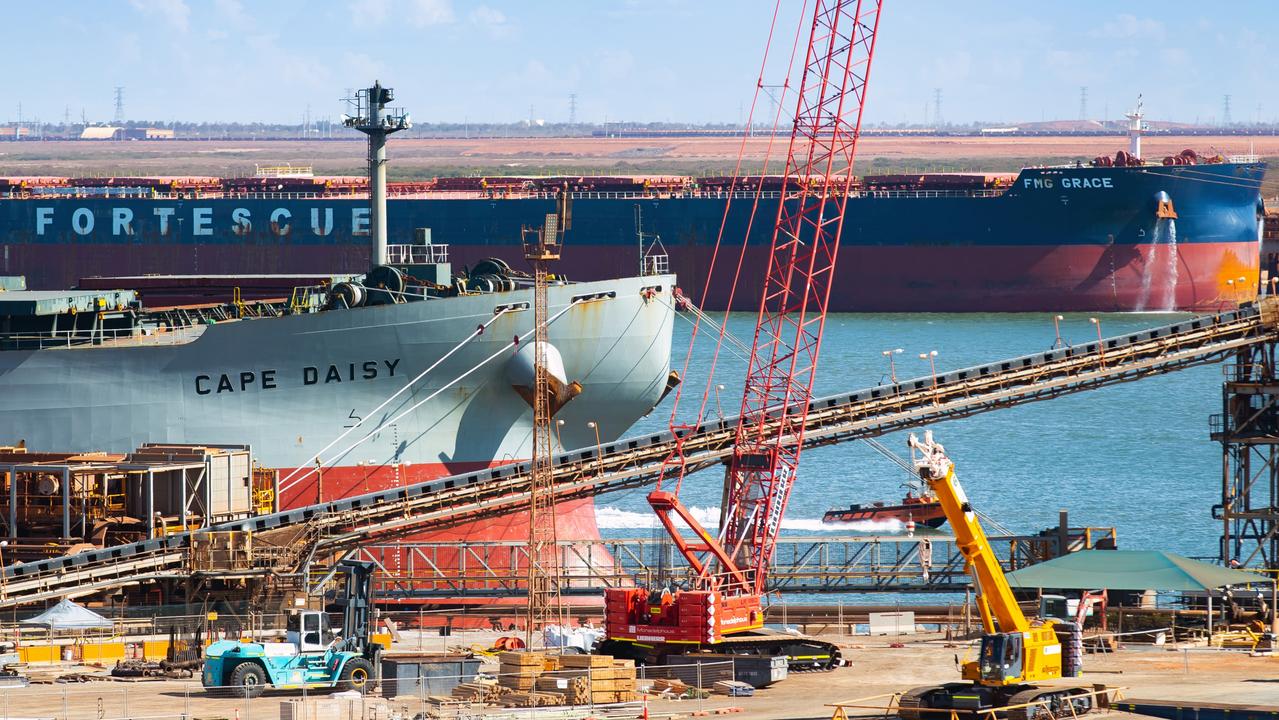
(636, 461)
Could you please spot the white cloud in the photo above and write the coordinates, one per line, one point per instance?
(492, 21)
(424, 13)
(360, 69)
(233, 12)
(1175, 56)
(293, 67)
(1130, 27)
(174, 12)
(418, 13)
(128, 48)
(369, 13)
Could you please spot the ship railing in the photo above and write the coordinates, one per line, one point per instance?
(584, 195)
(1240, 159)
(424, 254)
(148, 194)
(927, 193)
(656, 264)
(171, 335)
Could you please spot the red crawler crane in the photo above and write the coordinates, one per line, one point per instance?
(730, 571)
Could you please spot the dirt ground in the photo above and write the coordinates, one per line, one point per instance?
(1144, 672)
(420, 158)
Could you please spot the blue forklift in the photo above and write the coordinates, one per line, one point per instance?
(313, 656)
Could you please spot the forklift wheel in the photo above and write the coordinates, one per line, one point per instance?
(247, 680)
(357, 676)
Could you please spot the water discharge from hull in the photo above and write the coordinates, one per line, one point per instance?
(1159, 269)
(1147, 274)
(1170, 274)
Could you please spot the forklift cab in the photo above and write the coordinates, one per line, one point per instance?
(1002, 659)
(310, 631)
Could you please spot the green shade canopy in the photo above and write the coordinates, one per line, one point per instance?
(1129, 570)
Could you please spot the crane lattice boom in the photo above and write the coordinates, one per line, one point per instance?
(730, 570)
(801, 264)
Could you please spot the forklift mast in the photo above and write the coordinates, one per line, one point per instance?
(356, 600)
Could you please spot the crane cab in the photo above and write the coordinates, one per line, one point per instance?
(1015, 658)
(1002, 660)
(310, 632)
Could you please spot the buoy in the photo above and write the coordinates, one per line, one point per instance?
(910, 527)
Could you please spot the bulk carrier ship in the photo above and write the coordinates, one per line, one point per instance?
(1115, 234)
(431, 368)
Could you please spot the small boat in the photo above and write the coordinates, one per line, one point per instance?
(921, 508)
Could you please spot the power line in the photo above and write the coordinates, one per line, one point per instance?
(119, 104)
(937, 116)
(1225, 110)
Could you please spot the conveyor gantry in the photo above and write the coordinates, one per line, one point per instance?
(343, 525)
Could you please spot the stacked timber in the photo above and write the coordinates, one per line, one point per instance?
(573, 685)
(609, 680)
(519, 670)
(532, 699)
(478, 692)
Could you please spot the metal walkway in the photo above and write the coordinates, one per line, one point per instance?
(927, 562)
(318, 531)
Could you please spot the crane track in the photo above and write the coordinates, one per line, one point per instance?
(1056, 703)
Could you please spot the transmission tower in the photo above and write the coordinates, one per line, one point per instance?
(1225, 111)
(572, 108)
(1083, 103)
(545, 604)
(119, 104)
(937, 107)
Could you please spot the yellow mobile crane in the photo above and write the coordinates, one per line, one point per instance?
(1016, 653)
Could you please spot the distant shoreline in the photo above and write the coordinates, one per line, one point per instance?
(413, 158)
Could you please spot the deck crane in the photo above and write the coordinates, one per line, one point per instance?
(1016, 653)
(722, 608)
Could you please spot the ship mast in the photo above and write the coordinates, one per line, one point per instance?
(1135, 128)
(373, 118)
(545, 604)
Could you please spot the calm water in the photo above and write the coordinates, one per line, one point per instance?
(1136, 456)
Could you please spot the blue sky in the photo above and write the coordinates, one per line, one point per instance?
(652, 60)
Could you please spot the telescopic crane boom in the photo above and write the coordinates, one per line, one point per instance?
(1016, 653)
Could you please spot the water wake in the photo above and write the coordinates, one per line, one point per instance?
(612, 518)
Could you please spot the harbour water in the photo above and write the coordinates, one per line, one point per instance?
(1136, 456)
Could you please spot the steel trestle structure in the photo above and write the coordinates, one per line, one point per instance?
(341, 526)
(1248, 430)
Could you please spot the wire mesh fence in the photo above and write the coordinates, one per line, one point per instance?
(418, 696)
